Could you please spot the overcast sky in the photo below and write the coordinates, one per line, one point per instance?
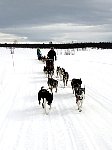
(55, 20)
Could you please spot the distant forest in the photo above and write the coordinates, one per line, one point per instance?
(101, 45)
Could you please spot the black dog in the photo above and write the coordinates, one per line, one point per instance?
(75, 83)
(80, 96)
(65, 78)
(45, 94)
(52, 83)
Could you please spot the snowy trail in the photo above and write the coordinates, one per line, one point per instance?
(23, 123)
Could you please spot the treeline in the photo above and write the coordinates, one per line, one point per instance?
(102, 45)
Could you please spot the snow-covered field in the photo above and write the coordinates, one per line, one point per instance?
(23, 123)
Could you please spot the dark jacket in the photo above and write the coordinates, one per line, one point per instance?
(51, 55)
(39, 53)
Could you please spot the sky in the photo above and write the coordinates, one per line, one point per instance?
(23, 122)
(55, 20)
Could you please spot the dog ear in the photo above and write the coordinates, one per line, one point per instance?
(42, 87)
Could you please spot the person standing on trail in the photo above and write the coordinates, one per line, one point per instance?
(39, 55)
(52, 54)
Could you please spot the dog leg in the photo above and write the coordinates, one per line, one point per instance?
(80, 105)
(56, 89)
(39, 102)
(50, 107)
(66, 82)
(43, 105)
(73, 90)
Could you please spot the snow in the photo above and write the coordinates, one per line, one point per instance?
(24, 124)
